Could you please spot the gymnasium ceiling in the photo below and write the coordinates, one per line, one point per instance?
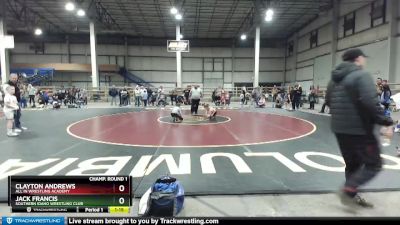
(202, 19)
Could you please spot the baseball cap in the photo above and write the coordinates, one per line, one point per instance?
(352, 54)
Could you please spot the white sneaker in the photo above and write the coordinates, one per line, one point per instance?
(385, 142)
(16, 130)
(397, 130)
(23, 128)
(12, 134)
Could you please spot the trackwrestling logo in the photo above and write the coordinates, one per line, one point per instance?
(33, 220)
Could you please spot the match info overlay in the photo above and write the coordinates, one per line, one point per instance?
(86, 194)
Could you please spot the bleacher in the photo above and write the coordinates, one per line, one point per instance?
(34, 76)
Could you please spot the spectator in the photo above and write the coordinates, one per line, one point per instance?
(113, 92)
(84, 96)
(217, 97)
(56, 102)
(14, 82)
(355, 110)
(121, 101)
(161, 98)
(247, 97)
(138, 96)
(2, 94)
(10, 106)
(32, 92)
(128, 97)
(144, 97)
(66, 97)
(386, 93)
(161, 90)
(51, 99)
(261, 101)
(227, 98)
(71, 95)
(222, 97)
(24, 96)
(46, 97)
(298, 93)
(292, 97)
(378, 86)
(61, 94)
(213, 96)
(289, 98)
(78, 96)
(186, 93)
(124, 97)
(323, 107)
(180, 99)
(150, 96)
(256, 95)
(41, 99)
(274, 93)
(279, 101)
(312, 98)
(173, 95)
(152, 99)
(242, 99)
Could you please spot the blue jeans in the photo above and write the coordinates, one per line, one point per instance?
(114, 100)
(361, 154)
(23, 103)
(137, 100)
(17, 117)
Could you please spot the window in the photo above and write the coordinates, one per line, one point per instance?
(290, 48)
(378, 12)
(37, 47)
(314, 39)
(349, 24)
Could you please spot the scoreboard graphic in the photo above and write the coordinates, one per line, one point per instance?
(88, 194)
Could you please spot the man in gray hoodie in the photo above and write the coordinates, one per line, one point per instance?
(351, 97)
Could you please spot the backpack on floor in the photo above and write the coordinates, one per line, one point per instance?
(165, 198)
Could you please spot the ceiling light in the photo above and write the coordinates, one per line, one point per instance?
(178, 16)
(69, 6)
(174, 11)
(80, 12)
(269, 12)
(38, 31)
(243, 37)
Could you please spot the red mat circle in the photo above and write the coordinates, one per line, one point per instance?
(143, 129)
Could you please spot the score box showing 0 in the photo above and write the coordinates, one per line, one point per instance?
(68, 191)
